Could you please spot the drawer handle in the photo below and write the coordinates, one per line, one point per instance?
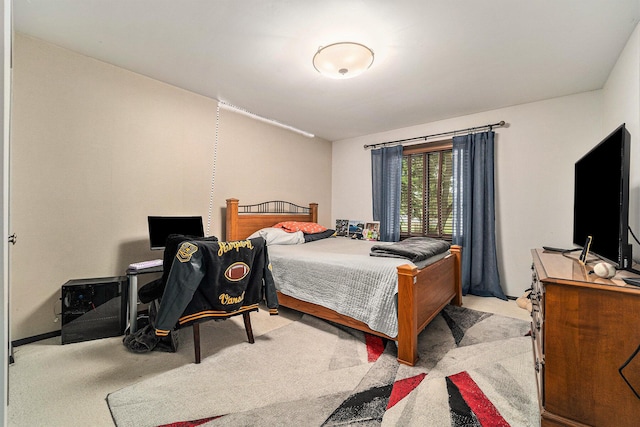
(535, 306)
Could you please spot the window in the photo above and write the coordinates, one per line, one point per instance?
(426, 203)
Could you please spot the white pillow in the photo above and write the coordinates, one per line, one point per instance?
(277, 236)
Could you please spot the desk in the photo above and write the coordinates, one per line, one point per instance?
(132, 309)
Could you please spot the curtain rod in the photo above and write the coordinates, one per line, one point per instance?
(452, 132)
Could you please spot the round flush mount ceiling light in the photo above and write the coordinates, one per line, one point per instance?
(343, 60)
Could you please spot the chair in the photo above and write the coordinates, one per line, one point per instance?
(228, 266)
(196, 334)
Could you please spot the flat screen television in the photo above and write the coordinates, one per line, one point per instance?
(160, 227)
(601, 199)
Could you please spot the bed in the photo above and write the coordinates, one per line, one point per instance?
(421, 293)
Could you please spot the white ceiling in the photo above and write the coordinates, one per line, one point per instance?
(434, 59)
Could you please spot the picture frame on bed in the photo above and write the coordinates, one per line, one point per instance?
(356, 226)
(342, 227)
(371, 230)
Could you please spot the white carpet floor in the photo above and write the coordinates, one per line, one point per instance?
(66, 385)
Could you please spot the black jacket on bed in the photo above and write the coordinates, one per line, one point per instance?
(216, 280)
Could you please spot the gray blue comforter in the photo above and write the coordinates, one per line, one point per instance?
(338, 273)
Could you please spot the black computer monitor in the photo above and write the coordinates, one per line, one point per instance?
(160, 227)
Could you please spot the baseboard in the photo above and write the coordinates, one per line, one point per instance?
(35, 338)
(47, 335)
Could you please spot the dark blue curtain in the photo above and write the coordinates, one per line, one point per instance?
(386, 176)
(474, 213)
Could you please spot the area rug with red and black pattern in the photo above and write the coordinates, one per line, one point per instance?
(475, 369)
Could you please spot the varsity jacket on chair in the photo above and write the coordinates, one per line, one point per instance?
(216, 280)
(154, 289)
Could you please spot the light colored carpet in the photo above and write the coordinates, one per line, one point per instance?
(472, 365)
(66, 385)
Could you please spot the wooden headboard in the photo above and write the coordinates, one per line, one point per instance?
(244, 220)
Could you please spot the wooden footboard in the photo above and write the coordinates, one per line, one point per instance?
(422, 294)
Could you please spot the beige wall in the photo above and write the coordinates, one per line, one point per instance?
(534, 174)
(95, 149)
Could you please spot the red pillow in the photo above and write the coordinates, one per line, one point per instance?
(305, 227)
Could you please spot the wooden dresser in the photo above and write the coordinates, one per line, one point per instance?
(584, 330)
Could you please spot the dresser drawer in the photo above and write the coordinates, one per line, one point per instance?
(538, 360)
(537, 294)
(537, 330)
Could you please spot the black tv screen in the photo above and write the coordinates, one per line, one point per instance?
(601, 199)
(160, 227)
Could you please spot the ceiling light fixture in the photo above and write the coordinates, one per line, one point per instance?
(343, 60)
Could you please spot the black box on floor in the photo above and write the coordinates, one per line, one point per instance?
(94, 308)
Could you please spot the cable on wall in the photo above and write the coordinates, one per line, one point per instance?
(244, 112)
(213, 173)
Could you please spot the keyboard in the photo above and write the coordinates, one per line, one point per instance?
(143, 265)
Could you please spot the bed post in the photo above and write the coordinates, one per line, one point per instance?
(232, 216)
(407, 316)
(456, 251)
(314, 212)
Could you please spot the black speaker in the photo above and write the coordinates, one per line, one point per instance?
(94, 308)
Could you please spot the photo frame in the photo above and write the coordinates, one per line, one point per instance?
(355, 228)
(342, 227)
(371, 230)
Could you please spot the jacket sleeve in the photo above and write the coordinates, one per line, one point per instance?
(184, 278)
(270, 295)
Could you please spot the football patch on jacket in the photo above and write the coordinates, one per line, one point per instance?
(186, 251)
(237, 271)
